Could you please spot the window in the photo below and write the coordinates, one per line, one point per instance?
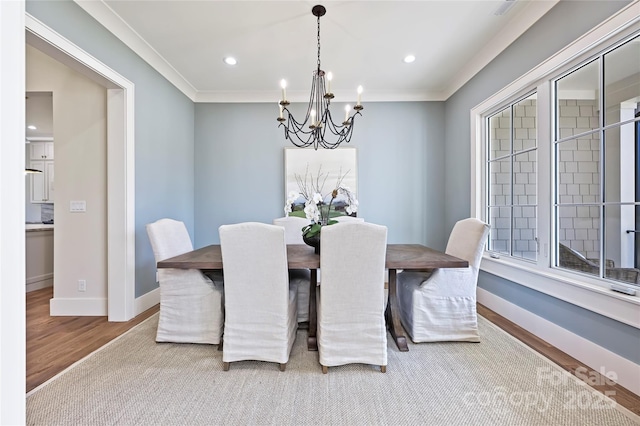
(511, 165)
(555, 171)
(596, 207)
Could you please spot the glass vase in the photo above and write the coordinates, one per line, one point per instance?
(324, 214)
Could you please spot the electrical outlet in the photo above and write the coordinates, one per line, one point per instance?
(82, 285)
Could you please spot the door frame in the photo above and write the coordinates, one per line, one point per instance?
(120, 162)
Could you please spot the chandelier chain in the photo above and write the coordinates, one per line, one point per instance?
(318, 44)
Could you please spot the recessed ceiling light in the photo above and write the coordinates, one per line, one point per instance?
(409, 58)
(31, 127)
(230, 60)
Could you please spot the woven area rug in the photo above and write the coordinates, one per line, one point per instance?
(136, 381)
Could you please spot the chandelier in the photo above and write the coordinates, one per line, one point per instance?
(312, 130)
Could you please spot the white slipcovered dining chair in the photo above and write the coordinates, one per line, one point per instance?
(348, 219)
(292, 228)
(298, 277)
(351, 302)
(441, 305)
(190, 303)
(260, 304)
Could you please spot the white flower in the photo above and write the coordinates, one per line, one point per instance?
(311, 211)
(353, 207)
(317, 198)
(288, 207)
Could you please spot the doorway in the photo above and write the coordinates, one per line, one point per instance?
(120, 172)
(39, 190)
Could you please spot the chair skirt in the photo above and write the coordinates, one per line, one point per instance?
(190, 308)
(262, 340)
(429, 316)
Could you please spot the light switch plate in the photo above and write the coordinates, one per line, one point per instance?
(77, 206)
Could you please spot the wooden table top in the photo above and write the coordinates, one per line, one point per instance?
(300, 256)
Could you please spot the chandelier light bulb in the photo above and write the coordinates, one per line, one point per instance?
(347, 108)
(313, 117)
(280, 106)
(359, 95)
(329, 78)
(283, 84)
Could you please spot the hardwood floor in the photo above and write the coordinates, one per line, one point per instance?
(55, 343)
(621, 395)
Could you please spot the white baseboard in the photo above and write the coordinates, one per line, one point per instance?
(79, 307)
(38, 278)
(38, 282)
(146, 301)
(587, 352)
(59, 306)
(38, 286)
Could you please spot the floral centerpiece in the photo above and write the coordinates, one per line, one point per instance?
(319, 207)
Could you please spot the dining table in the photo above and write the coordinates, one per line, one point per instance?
(300, 256)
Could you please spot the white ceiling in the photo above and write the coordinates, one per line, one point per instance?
(39, 113)
(362, 43)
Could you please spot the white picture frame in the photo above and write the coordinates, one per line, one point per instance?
(334, 163)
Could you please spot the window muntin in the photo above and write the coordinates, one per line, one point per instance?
(512, 173)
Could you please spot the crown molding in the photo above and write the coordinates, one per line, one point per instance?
(102, 13)
(300, 96)
(516, 26)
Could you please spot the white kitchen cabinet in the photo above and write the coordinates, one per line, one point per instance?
(39, 256)
(42, 184)
(41, 150)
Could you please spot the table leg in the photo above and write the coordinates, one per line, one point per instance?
(392, 312)
(312, 343)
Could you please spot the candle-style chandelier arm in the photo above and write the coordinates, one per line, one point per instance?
(312, 129)
(302, 136)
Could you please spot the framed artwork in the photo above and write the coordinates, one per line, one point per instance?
(324, 170)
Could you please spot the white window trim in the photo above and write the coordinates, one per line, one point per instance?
(586, 292)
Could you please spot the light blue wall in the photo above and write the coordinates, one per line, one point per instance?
(613, 335)
(239, 168)
(164, 149)
(553, 32)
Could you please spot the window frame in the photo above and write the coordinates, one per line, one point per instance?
(588, 292)
(513, 153)
(595, 56)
